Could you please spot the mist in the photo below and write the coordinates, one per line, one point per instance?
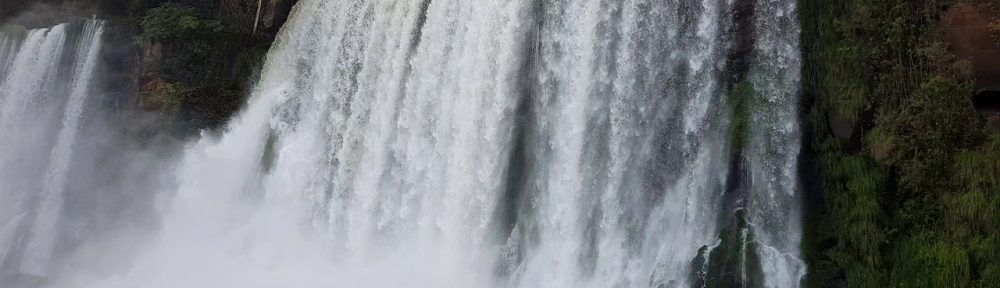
(34, 15)
(81, 168)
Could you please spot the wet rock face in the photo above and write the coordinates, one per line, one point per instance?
(971, 33)
(149, 79)
(255, 16)
(741, 48)
(277, 13)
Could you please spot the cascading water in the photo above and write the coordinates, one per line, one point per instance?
(775, 143)
(45, 83)
(448, 143)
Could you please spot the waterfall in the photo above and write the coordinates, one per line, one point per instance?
(775, 201)
(449, 143)
(45, 81)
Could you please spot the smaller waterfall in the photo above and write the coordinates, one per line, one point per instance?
(46, 78)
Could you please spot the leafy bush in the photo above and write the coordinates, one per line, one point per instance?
(168, 97)
(924, 261)
(198, 54)
(173, 21)
(855, 188)
(930, 127)
(845, 83)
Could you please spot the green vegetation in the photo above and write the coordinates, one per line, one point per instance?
(857, 183)
(193, 56)
(168, 97)
(910, 198)
(173, 21)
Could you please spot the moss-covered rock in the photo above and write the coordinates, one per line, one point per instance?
(733, 262)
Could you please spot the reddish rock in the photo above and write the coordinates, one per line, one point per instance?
(149, 80)
(971, 35)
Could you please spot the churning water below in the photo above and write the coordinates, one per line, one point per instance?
(450, 143)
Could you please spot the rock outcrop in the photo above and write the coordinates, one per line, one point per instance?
(149, 79)
(973, 33)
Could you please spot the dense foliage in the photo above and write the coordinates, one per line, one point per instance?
(201, 82)
(175, 21)
(909, 176)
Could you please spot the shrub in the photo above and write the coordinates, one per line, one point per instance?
(173, 21)
(926, 261)
(168, 97)
(930, 126)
